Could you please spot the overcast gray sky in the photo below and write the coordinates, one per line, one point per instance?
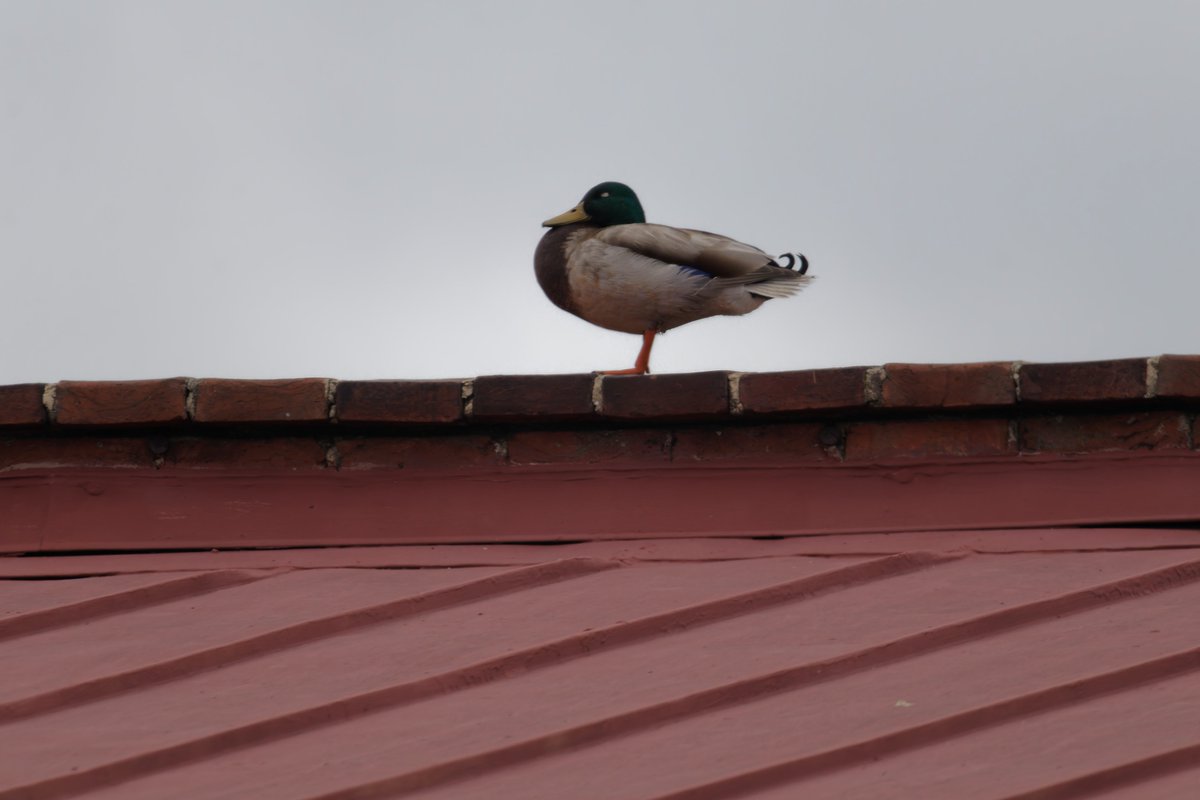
(354, 189)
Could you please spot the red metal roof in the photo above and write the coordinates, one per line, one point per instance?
(687, 668)
(907, 581)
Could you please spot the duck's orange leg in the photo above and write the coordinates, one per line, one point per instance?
(642, 365)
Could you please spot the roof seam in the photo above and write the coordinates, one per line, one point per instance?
(941, 729)
(128, 600)
(1120, 775)
(515, 579)
(580, 645)
(764, 685)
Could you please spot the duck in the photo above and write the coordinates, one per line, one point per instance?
(602, 262)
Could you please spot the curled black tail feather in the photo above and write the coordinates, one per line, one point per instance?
(796, 261)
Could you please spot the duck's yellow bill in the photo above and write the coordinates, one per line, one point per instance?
(576, 214)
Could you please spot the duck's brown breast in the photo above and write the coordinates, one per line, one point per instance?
(550, 261)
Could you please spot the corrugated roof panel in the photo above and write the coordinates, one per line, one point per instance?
(826, 730)
(914, 674)
(161, 640)
(401, 650)
(31, 600)
(1040, 750)
(1139, 783)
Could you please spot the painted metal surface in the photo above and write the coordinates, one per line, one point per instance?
(109, 509)
(1003, 664)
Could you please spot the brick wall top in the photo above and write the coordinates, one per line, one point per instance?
(894, 410)
(537, 399)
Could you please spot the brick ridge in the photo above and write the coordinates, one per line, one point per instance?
(818, 417)
(575, 398)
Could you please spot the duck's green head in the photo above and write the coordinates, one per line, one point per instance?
(609, 203)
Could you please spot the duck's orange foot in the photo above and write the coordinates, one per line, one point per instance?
(642, 365)
(630, 371)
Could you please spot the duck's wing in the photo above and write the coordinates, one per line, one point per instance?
(718, 256)
(727, 261)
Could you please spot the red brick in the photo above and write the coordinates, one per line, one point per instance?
(120, 402)
(413, 402)
(419, 452)
(634, 446)
(74, 451)
(273, 453)
(868, 441)
(673, 396)
(1178, 376)
(21, 404)
(948, 385)
(1084, 381)
(532, 397)
(803, 390)
(782, 443)
(1089, 433)
(289, 400)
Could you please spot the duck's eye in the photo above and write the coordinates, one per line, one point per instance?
(604, 194)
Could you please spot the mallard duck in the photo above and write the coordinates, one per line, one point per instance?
(603, 262)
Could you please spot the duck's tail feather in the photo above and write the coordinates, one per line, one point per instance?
(781, 286)
(788, 274)
(784, 276)
(793, 261)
